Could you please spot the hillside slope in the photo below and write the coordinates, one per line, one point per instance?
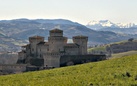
(118, 72)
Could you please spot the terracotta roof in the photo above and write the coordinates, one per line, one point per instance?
(36, 37)
(56, 30)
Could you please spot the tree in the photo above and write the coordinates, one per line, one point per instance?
(131, 39)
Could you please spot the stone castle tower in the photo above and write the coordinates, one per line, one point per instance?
(56, 41)
(33, 44)
(82, 41)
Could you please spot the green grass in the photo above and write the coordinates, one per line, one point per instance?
(113, 72)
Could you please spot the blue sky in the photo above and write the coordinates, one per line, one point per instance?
(81, 11)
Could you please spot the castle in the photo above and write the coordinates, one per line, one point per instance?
(52, 50)
(56, 52)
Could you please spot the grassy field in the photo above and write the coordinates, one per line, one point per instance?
(112, 72)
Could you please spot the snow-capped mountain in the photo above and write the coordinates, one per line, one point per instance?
(96, 25)
(106, 25)
(126, 25)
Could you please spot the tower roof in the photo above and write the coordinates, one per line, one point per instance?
(80, 36)
(36, 37)
(56, 30)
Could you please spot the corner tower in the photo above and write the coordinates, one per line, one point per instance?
(34, 40)
(82, 42)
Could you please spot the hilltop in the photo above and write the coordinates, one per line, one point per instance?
(118, 71)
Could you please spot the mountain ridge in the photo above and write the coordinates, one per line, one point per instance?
(22, 29)
(107, 23)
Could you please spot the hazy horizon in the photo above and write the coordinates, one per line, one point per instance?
(81, 11)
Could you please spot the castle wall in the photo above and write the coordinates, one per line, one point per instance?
(28, 50)
(51, 60)
(79, 59)
(42, 49)
(53, 34)
(122, 47)
(21, 55)
(72, 51)
(0, 67)
(56, 44)
(13, 68)
(37, 62)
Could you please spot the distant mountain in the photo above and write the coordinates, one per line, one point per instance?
(16, 32)
(106, 25)
(128, 25)
(96, 25)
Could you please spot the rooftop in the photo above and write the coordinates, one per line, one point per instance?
(80, 36)
(36, 37)
(56, 30)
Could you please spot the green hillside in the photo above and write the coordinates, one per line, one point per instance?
(114, 72)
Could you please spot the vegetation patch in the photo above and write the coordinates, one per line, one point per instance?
(112, 72)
